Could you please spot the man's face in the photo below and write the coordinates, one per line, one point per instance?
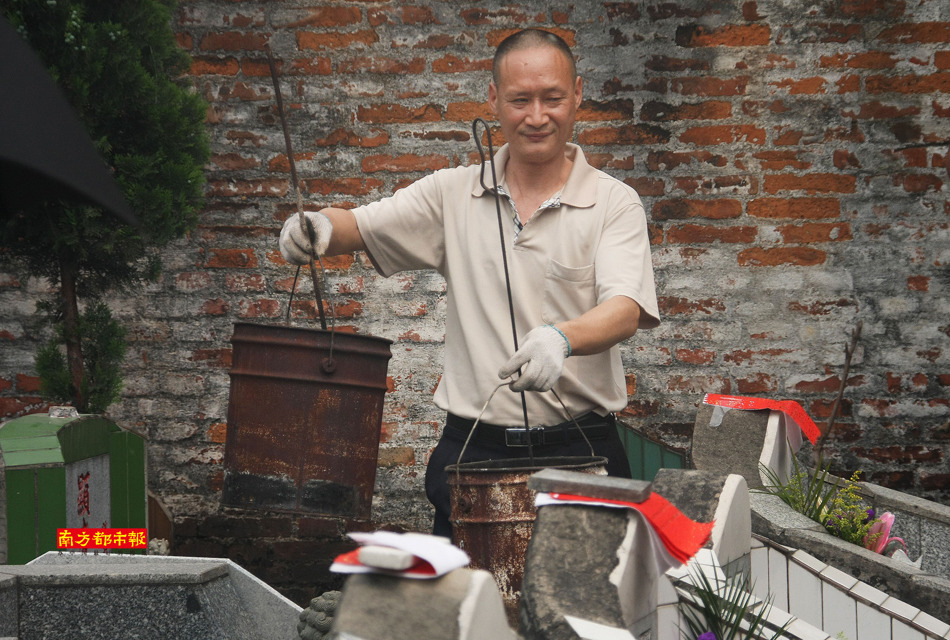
(536, 101)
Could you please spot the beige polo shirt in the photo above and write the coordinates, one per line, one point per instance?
(565, 261)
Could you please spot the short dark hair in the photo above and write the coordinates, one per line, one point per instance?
(531, 38)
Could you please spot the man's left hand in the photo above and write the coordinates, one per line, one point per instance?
(540, 358)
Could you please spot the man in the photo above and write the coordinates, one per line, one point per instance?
(580, 274)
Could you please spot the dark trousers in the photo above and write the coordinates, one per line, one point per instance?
(452, 442)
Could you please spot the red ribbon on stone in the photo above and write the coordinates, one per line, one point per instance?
(681, 535)
(790, 408)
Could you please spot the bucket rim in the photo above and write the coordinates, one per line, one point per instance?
(338, 335)
(527, 464)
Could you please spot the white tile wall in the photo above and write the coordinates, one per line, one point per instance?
(822, 596)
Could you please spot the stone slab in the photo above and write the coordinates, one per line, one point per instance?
(589, 485)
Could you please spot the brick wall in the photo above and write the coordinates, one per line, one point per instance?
(793, 160)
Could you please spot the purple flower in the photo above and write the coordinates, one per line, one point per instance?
(709, 635)
(871, 514)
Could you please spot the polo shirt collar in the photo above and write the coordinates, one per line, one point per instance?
(579, 190)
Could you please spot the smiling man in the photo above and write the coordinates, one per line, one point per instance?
(581, 275)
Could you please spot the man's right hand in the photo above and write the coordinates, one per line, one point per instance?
(294, 244)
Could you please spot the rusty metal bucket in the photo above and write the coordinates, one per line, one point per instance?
(493, 514)
(304, 417)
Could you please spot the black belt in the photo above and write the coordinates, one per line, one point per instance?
(594, 426)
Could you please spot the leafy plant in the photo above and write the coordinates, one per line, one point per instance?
(120, 67)
(847, 517)
(103, 352)
(808, 493)
(725, 608)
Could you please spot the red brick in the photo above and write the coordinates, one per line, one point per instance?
(710, 86)
(810, 183)
(749, 356)
(397, 457)
(691, 233)
(863, 60)
(719, 209)
(208, 66)
(311, 66)
(835, 32)
(233, 41)
(346, 186)
(669, 160)
(651, 187)
(394, 113)
(349, 138)
(918, 283)
(231, 259)
(214, 357)
(668, 64)
(27, 384)
(217, 432)
(405, 163)
(15, 407)
(264, 308)
(803, 86)
(757, 384)
(723, 134)
(815, 232)
(916, 33)
(324, 17)
(731, 35)
(821, 307)
(876, 110)
(919, 183)
(683, 306)
(307, 40)
(215, 307)
(897, 453)
(234, 161)
(455, 64)
(844, 159)
(777, 160)
(663, 112)
(628, 134)
(796, 256)
(848, 84)
(934, 83)
(466, 112)
(696, 356)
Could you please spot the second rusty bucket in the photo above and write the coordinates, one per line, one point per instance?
(493, 514)
(304, 420)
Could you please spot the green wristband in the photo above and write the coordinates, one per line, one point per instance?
(569, 350)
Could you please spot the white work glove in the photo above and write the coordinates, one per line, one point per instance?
(541, 359)
(294, 245)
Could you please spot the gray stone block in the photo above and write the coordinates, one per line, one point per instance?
(729, 442)
(125, 596)
(573, 552)
(462, 605)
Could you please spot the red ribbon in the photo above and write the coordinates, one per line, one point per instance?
(790, 408)
(681, 535)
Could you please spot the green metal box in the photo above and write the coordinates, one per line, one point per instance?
(70, 472)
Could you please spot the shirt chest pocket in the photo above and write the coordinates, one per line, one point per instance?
(568, 292)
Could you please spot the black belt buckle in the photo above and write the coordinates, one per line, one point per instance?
(518, 437)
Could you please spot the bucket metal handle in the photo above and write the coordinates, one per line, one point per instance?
(471, 432)
(328, 365)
